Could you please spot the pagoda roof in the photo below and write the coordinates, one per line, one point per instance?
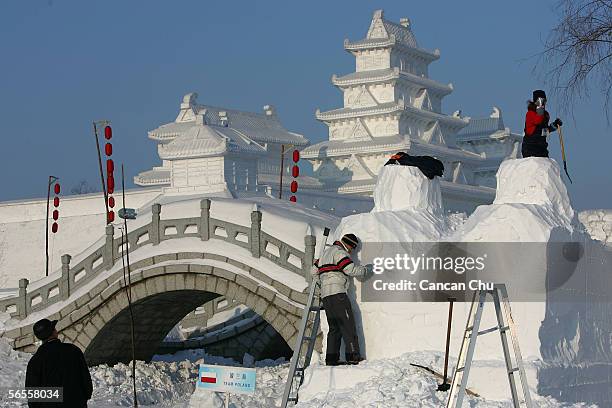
(155, 176)
(207, 141)
(485, 128)
(259, 127)
(262, 128)
(390, 107)
(345, 113)
(391, 144)
(331, 148)
(384, 33)
(383, 75)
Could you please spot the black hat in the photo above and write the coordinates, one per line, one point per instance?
(43, 329)
(538, 93)
(350, 240)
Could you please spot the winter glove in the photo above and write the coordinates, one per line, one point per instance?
(314, 270)
(557, 123)
(369, 270)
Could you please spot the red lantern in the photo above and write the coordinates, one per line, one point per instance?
(56, 188)
(108, 132)
(55, 215)
(108, 149)
(295, 171)
(111, 216)
(56, 201)
(111, 202)
(296, 156)
(110, 184)
(110, 166)
(293, 199)
(54, 227)
(294, 186)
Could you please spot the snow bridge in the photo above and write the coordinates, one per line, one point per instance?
(177, 265)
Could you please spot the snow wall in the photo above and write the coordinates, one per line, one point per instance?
(22, 232)
(566, 339)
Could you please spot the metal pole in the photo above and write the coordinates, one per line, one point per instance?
(282, 169)
(95, 128)
(445, 386)
(227, 400)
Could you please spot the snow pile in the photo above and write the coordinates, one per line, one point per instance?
(598, 224)
(408, 208)
(402, 188)
(380, 383)
(169, 381)
(156, 382)
(531, 205)
(12, 368)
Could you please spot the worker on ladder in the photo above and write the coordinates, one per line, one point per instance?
(333, 270)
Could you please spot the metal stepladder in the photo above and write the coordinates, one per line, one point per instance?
(307, 335)
(505, 324)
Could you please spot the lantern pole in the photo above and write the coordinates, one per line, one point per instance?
(95, 129)
(52, 179)
(282, 165)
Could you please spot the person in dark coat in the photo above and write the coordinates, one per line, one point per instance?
(57, 364)
(537, 127)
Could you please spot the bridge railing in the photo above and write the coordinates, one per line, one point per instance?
(71, 278)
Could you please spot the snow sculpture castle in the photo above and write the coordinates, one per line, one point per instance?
(391, 104)
(209, 149)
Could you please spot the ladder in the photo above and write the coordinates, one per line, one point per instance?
(505, 325)
(307, 335)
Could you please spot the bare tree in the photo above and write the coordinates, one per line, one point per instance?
(577, 53)
(83, 188)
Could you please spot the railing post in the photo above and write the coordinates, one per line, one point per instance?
(310, 242)
(23, 307)
(64, 285)
(205, 219)
(154, 233)
(255, 239)
(109, 251)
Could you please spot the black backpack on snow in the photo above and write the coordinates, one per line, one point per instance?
(428, 165)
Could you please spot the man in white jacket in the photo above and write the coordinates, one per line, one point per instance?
(333, 270)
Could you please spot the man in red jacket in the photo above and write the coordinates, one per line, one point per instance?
(537, 127)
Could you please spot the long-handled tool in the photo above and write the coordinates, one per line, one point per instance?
(445, 386)
(563, 153)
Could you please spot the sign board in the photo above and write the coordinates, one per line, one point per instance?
(235, 380)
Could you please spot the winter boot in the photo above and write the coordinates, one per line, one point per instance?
(353, 358)
(332, 359)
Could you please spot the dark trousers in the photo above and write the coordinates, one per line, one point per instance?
(341, 327)
(534, 146)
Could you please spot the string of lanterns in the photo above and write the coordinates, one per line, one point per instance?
(56, 203)
(295, 173)
(110, 173)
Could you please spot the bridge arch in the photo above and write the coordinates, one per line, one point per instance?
(164, 289)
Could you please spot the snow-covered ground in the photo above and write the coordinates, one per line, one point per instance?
(169, 381)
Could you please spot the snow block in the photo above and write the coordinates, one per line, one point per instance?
(406, 188)
(531, 205)
(408, 208)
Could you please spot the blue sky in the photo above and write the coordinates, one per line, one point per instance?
(65, 63)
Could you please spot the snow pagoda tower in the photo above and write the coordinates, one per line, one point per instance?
(391, 105)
